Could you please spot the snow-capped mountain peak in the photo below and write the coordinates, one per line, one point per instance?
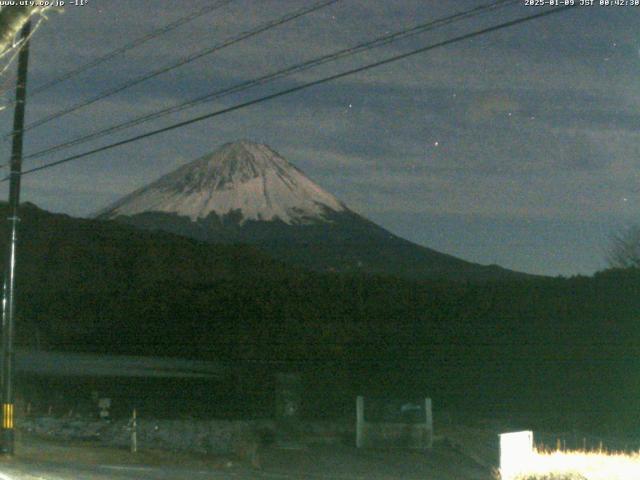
(243, 177)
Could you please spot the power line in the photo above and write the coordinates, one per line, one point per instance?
(131, 45)
(301, 87)
(330, 78)
(375, 43)
(183, 61)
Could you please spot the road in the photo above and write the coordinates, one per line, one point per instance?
(70, 471)
(321, 463)
(39, 458)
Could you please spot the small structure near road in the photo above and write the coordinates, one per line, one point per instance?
(104, 405)
(394, 423)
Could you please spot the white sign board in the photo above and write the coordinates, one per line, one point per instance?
(516, 453)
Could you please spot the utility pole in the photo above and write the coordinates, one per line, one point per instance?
(7, 436)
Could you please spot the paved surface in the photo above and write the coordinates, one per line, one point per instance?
(346, 463)
(40, 458)
(69, 471)
(318, 463)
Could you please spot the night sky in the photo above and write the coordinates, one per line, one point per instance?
(520, 147)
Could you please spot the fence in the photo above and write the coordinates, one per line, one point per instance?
(394, 423)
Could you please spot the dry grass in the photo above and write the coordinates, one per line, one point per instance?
(579, 465)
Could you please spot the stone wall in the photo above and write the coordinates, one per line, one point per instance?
(212, 436)
(219, 437)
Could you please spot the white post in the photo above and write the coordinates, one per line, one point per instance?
(359, 421)
(516, 453)
(134, 432)
(429, 421)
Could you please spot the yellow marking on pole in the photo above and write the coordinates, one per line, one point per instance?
(7, 415)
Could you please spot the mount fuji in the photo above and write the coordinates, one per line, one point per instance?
(244, 179)
(247, 193)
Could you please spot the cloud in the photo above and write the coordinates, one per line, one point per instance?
(538, 120)
(488, 108)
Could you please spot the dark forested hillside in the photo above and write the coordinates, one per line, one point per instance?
(246, 192)
(533, 344)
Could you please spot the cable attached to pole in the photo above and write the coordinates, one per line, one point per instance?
(183, 61)
(131, 45)
(279, 74)
(386, 61)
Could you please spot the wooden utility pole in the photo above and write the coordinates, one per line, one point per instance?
(7, 438)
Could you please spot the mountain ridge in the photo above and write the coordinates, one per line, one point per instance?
(285, 214)
(244, 176)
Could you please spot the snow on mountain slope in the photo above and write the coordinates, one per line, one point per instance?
(247, 193)
(243, 176)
